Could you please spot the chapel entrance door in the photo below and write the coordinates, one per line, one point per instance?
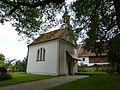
(70, 68)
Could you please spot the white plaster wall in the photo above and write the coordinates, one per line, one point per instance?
(69, 47)
(62, 58)
(76, 68)
(65, 46)
(47, 67)
(91, 64)
(86, 62)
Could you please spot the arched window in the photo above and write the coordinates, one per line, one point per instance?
(38, 54)
(41, 54)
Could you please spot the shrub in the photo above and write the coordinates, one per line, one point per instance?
(81, 69)
(5, 77)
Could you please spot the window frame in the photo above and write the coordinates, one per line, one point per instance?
(83, 59)
(41, 54)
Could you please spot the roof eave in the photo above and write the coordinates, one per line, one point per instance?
(42, 42)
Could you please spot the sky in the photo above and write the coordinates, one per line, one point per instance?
(10, 44)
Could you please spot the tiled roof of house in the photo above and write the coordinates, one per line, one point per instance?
(49, 36)
(84, 53)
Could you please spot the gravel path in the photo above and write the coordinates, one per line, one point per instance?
(42, 84)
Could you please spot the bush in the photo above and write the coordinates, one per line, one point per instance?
(5, 77)
(81, 69)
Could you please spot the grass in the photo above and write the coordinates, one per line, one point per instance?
(98, 82)
(22, 77)
(97, 73)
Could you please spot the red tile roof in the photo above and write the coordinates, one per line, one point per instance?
(84, 53)
(49, 36)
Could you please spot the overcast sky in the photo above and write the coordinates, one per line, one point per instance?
(10, 45)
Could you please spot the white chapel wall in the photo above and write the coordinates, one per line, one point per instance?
(43, 67)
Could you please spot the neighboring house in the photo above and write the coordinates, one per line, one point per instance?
(89, 59)
(52, 53)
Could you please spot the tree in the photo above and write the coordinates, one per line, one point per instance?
(27, 15)
(9, 64)
(31, 17)
(66, 24)
(114, 52)
(20, 65)
(101, 20)
(2, 59)
(98, 17)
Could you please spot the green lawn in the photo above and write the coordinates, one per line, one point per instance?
(97, 73)
(98, 82)
(22, 77)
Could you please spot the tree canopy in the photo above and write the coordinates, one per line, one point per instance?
(2, 57)
(27, 15)
(114, 52)
(100, 19)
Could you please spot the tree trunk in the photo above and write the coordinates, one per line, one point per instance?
(118, 68)
(117, 10)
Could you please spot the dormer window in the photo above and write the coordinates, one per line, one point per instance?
(41, 54)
